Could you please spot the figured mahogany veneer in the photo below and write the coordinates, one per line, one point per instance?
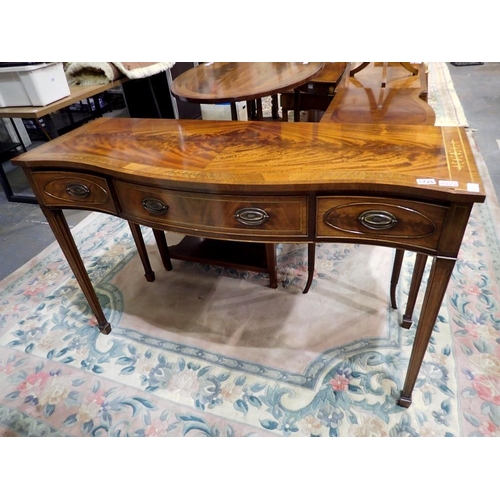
(256, 217)
(78, 190)
(377, 220)
(407, 187)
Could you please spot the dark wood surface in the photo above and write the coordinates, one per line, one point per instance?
(221, 253)
(381, 105)
(260, 157)
(390, 75)
(317, 93)
(407, 187)
(222, 82)
(383, 93)
(331, 73)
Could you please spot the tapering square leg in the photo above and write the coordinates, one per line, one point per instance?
(161, 242)
(63, 235)
(135, 229)
(416, 280)
(437, 284)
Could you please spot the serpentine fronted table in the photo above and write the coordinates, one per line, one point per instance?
(405, 187)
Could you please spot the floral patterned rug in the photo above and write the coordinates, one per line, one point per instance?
(206, 351)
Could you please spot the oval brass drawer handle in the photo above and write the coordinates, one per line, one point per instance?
(77, 190)
(251, 216)
(377, 219)
(154, 206)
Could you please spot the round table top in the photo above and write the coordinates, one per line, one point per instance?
(221, 82)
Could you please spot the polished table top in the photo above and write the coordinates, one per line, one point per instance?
(392, 75)
(222, 82)
(220, 156)
(383, 105)
(382, 93)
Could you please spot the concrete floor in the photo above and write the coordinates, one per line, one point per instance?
(478, 88)
(24, 232)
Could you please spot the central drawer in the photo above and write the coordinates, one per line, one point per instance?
(255, 216)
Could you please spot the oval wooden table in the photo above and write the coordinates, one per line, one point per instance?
(232, 82)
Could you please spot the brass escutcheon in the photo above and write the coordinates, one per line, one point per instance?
(154, 206)
(251, 216)
(377, 219)
(77, 190)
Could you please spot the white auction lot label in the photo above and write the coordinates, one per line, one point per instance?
(426, 181)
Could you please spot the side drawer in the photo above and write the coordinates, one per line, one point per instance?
(254, 216)
(380, 219)
(70, 189)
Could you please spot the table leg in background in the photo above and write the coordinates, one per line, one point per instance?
(234, 112)
(135, 229)
(271, 264)
(311, 258)
(161, 242)
(416, 280)
(396, 271)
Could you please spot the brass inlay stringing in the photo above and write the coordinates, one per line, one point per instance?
(456, 155)
(456, 152)
(467, 160)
